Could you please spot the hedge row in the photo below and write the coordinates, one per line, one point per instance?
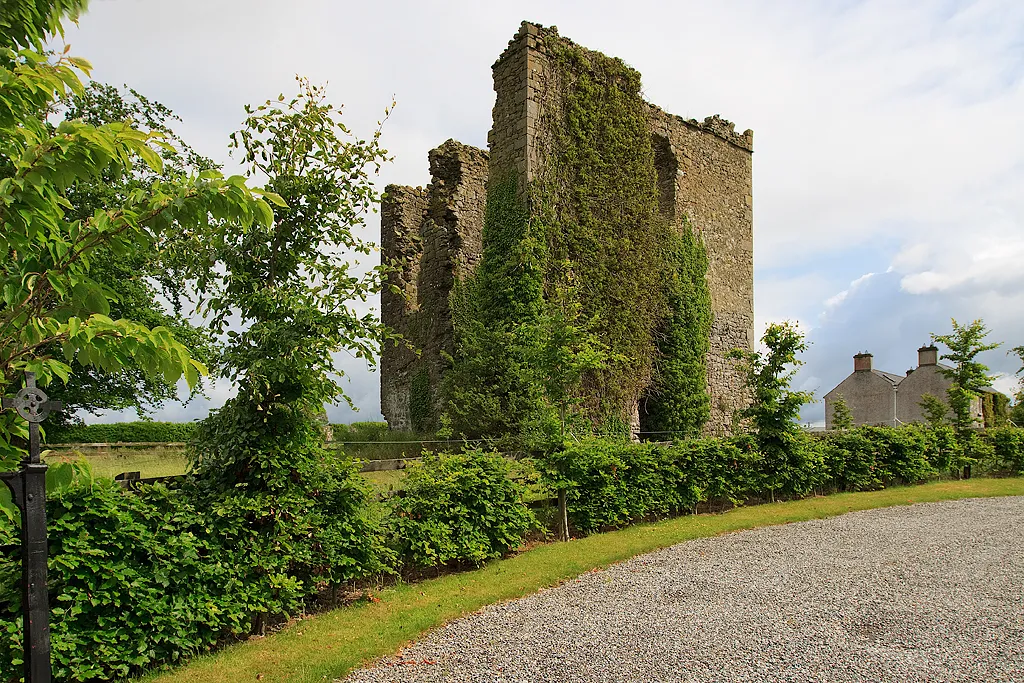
(610, 485)
(124, 432)
(149, 578)
(143, 579)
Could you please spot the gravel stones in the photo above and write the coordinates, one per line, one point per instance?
(929, 592)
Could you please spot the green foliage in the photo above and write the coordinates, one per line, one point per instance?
(679, 403)
(611, 484)
(461, 508)
(1016, 411)
(597, 205)
(842, 418)
(555, 332)
(134, 580)
(52, 310)
(362, 431)
(936, 412)
(774, 408)
(995, 408)
(968, 375)
(1007, 456)
(421, 410)
(124, 432)
(130, 276)
(494, 386)
(29, 23)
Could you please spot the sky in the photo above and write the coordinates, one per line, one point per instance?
(888, 136)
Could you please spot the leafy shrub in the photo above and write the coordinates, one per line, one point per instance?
(134, 580)
(1007, 454)
(158, 575)
(459, 508)
(125, 432)
(611, 484)
(290, 544)
(363, 431)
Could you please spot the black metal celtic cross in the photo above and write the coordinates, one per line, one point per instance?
(28, 489)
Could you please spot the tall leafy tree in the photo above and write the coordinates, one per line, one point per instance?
(136, 281)
(774, 407)
(49, 298)
(968, 375)
(283, 292)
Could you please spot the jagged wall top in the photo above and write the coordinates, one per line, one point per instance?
(715, 124)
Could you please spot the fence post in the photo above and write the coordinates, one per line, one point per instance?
(28, 489)
(563, 517)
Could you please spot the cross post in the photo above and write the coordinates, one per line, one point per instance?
(28, 488)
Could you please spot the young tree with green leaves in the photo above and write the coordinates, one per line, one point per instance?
(842, 418)
(968, 375)
(50, 301)
(282, 292)
(774, 407)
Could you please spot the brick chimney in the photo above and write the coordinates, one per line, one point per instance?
(927, 355)
(862, 362)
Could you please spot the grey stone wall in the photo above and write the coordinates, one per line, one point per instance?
(705, 171)
(712, 186)
(433, 236)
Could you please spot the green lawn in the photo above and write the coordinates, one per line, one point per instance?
(329, 645)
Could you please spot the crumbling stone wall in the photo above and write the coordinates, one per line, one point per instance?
(704, 174)
(713, 188)
(433, 237)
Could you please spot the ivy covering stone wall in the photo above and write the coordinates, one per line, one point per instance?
(596, 304)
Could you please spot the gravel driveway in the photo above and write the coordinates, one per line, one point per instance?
(928, 592)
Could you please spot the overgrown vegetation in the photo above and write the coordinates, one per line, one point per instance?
(381, 626)
(774, 407)
(585, 296)
(678, 404)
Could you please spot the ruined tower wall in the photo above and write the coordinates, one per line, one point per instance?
(709, 182)
(713, 189)
(526, 91)
(704, 175)
(433, 236)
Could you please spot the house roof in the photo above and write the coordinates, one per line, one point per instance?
(895, 379)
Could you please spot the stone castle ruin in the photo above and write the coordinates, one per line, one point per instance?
(702, 174)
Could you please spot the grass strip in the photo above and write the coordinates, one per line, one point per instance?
(329, 645)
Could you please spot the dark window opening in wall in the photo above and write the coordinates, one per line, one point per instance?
(667, 166)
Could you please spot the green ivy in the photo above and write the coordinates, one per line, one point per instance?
(597, 200)
(420, 404)
(678, 404)
(493, 387)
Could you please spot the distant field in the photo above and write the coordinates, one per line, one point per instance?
(162, 461)
(156, 461)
